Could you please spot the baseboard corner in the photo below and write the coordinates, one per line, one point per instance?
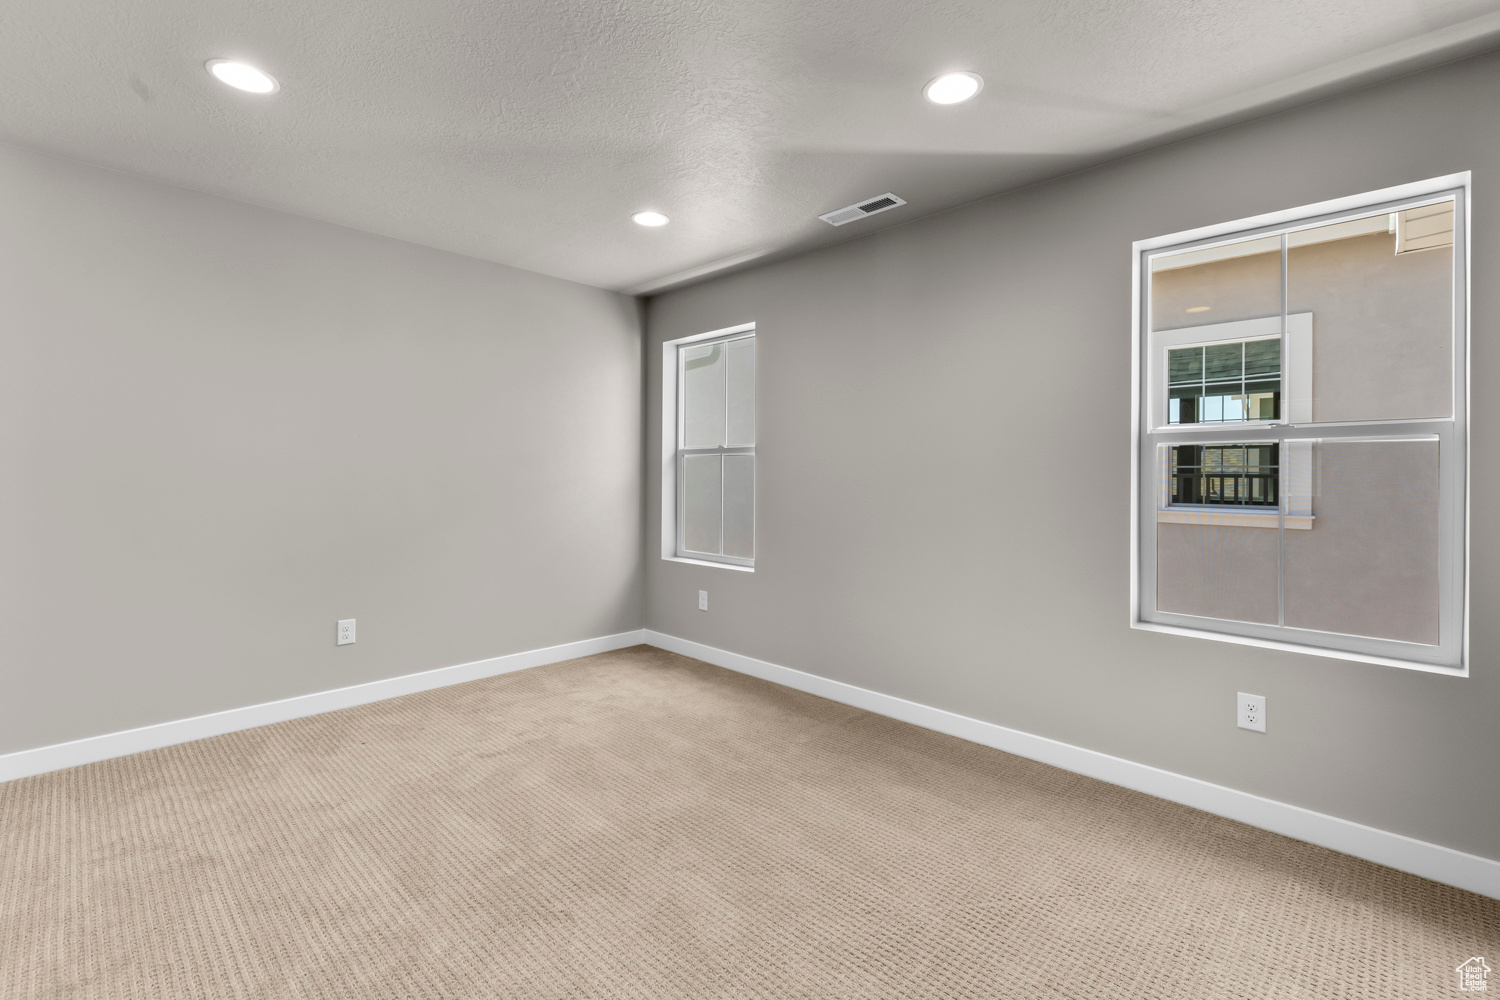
(57, 756)
(1394, 850)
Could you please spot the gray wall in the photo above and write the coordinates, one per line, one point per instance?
(944, 474)
(222, 428)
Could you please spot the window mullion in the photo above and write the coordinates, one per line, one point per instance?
(717, 451)
(723, 441)
(681, 504)
(1277, 432)
(681, 399)
(680, 472)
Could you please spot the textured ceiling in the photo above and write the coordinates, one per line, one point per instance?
(528, 132)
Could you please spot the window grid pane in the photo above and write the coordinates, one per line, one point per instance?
(740, 394)
(702, 504)
(703, 396)
(739, 506)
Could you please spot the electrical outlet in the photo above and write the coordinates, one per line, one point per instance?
(1252, 712)
(346, 631)
(702, 600)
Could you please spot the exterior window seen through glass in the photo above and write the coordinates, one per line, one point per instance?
(1224, 383)
(1241, 475)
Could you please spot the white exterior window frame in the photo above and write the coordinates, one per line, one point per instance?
(1296, 361)
(1296, 405)
(673, 451)
(1150, 435)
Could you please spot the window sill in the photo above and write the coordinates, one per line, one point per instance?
(708, 562)
(1233, 518)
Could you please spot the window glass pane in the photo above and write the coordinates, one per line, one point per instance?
(741, 385)
(1221, 407)
(1184, 406)
(1380, 290)
(739, 506)
(703, 396)
(1262, 357)
(1263, 399)
(1206, 295)
(1369, 564)
(1185, 364)
(1232, 282)
(1223, 361)
(701, 503)
(1224, 571)
(1217, 545)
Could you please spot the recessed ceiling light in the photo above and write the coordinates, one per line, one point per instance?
(953, 88)
(242, 76)
(650, 219)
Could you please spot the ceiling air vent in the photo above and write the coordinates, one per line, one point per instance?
(859, 211)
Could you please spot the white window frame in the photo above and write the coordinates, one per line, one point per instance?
(672, 450)
(1150, 433)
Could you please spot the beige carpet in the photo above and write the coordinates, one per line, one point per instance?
(638, 824)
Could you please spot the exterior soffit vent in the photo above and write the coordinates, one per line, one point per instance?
(870, 206)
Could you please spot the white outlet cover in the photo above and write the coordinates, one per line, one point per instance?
(1252, 712)
(702, 600)
(346, 631)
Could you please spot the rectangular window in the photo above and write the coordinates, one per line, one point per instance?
(1224, 383)
(1223, 475)
(710, 492)
(1301, 447)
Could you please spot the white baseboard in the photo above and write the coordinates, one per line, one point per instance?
(1441, 864)
(24, 763)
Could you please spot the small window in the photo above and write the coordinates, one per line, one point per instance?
(1224, 383)
(712, 482)
(1223, 475)
(1302, 451)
